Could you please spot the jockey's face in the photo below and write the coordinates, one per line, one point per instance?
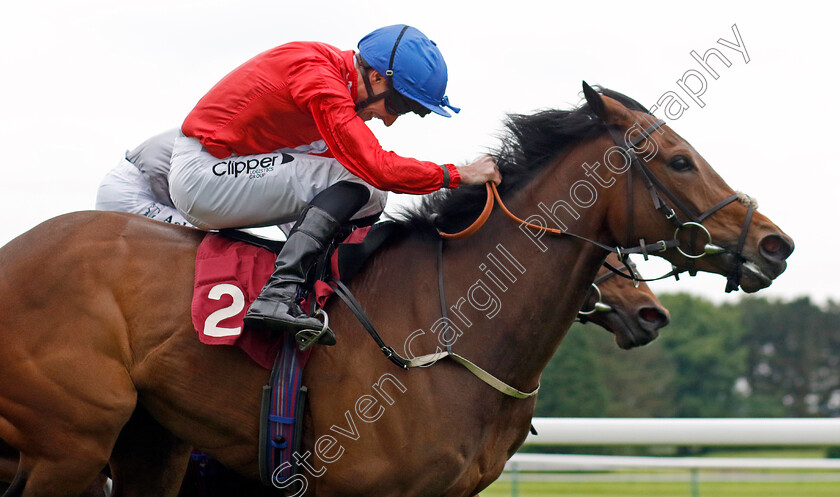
(377, 109)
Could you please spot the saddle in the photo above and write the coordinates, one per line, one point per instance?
(231, 268)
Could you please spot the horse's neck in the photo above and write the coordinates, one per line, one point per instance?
(513, 296)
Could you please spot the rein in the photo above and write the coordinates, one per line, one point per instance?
(655, 187)
(644, 249)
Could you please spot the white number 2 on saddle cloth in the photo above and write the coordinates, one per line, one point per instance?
(211, 324)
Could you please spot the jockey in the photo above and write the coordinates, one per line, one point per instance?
(283, 138)
(140, 182)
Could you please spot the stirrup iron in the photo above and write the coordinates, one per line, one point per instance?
(307, 337)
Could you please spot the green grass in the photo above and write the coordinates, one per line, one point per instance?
(630, 484)
(665, 489)
(795, 452)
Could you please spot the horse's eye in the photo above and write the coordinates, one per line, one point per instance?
(680, 163)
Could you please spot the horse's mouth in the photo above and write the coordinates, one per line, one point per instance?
(757, 267)
(755, 274)
(755, 277)
(628, 331)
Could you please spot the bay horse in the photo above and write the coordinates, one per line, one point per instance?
(626, 308)
(631, 312)
(96, 319)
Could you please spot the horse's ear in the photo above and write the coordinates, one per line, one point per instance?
(596, 103)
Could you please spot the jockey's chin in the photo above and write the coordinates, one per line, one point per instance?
(377, 110)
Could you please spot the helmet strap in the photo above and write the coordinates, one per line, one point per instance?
(372, 97)
(390, 72)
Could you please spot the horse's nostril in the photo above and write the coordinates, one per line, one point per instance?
(776, 247)
(653, 316)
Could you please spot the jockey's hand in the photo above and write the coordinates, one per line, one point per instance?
(480, 171)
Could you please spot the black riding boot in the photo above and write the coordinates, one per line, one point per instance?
(277, 308)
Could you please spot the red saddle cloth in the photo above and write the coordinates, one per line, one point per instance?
(229, 275)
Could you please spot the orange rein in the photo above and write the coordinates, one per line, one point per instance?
(493, 195)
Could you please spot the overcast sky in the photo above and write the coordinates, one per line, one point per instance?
(84, 81)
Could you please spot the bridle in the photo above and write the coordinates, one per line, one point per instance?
(657, 191)
(600, 305)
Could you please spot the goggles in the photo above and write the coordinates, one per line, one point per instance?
(397, 104)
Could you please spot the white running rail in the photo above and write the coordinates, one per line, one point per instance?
(563, 462)
(686, 431)
(676, 431)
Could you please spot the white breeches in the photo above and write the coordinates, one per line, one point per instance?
(125, 189)
(253, 190)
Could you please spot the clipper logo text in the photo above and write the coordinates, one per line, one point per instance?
(254, 168)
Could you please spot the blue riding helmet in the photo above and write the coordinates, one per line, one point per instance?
(413, 64)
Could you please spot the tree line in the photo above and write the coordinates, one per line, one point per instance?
(753, 358)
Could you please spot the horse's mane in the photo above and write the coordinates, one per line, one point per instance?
(528, 144)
